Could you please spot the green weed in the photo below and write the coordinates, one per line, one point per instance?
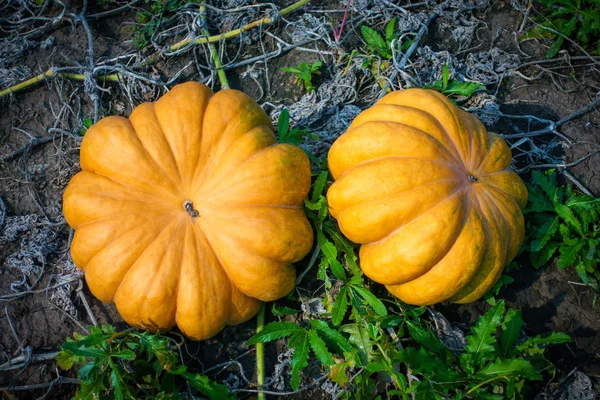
(304, 74)
(130, 365)
(563, 222)
(453, 87)
(575, 19)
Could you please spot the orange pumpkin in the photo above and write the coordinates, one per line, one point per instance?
(428, 193)
(188, 212)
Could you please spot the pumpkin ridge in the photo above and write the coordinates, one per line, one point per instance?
(402, 191)
(460, 189)
(114, 239)
(454, 156)
(155, 162)
(139, 256)
(401, 158)
(150, 194)
(450, 147)
(221, 264)
(205, 176)
(170, 146)
(503, 230)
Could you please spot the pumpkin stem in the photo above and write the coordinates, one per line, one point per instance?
(473, 178)
(189, 207)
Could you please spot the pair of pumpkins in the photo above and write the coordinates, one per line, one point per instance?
(189, 213)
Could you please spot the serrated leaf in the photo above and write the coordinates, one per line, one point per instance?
(299, 361)
(210, 389)
(553, 338)
(65, 360)
(569, 253)
(340, 306)
(483, 340)
(540, 258)
(390, 31)
(425, 337)
(274, 331)
(371, 299)
(319, 348)
(544, 233)
(76, 349)
(320, 183)
(567, 215)
(116, 385)
(511, 367)
(374, 40)
(124, 354)
(463, 88)
(283, 310)
(511, 330)
(334, 340)
(360, 339)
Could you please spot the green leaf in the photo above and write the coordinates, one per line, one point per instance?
(79, 350)
(319, 348)
(283, 123)
(544, 233)
(483, 340)
(319, 186)
(374, 40)
(555, 48)
(66, 360)
(390, 32)
(553, 338)
(463, 88)
(204, 385)
(124, 354)
(299, 361)
(425, 337)
(274, 331)
(511, 329)
(371, 299)
(511, 367)
(540, 258)
(567, 215)
(568, 254)
(335, 340)
(445, 77)
(340, 306)
(359, 337)
(283, 310)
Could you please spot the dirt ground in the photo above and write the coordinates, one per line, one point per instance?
(39, 144)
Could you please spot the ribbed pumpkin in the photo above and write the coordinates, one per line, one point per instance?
(188, 212)
(428, 193)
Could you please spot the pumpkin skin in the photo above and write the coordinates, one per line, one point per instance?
(429, 195)
(164, 265)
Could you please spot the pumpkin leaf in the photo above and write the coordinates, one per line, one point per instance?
(371, 299)
(274, 331)
(299, 360)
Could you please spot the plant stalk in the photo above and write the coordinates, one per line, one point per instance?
(237, 32)
(213, 51)
(260, 356)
